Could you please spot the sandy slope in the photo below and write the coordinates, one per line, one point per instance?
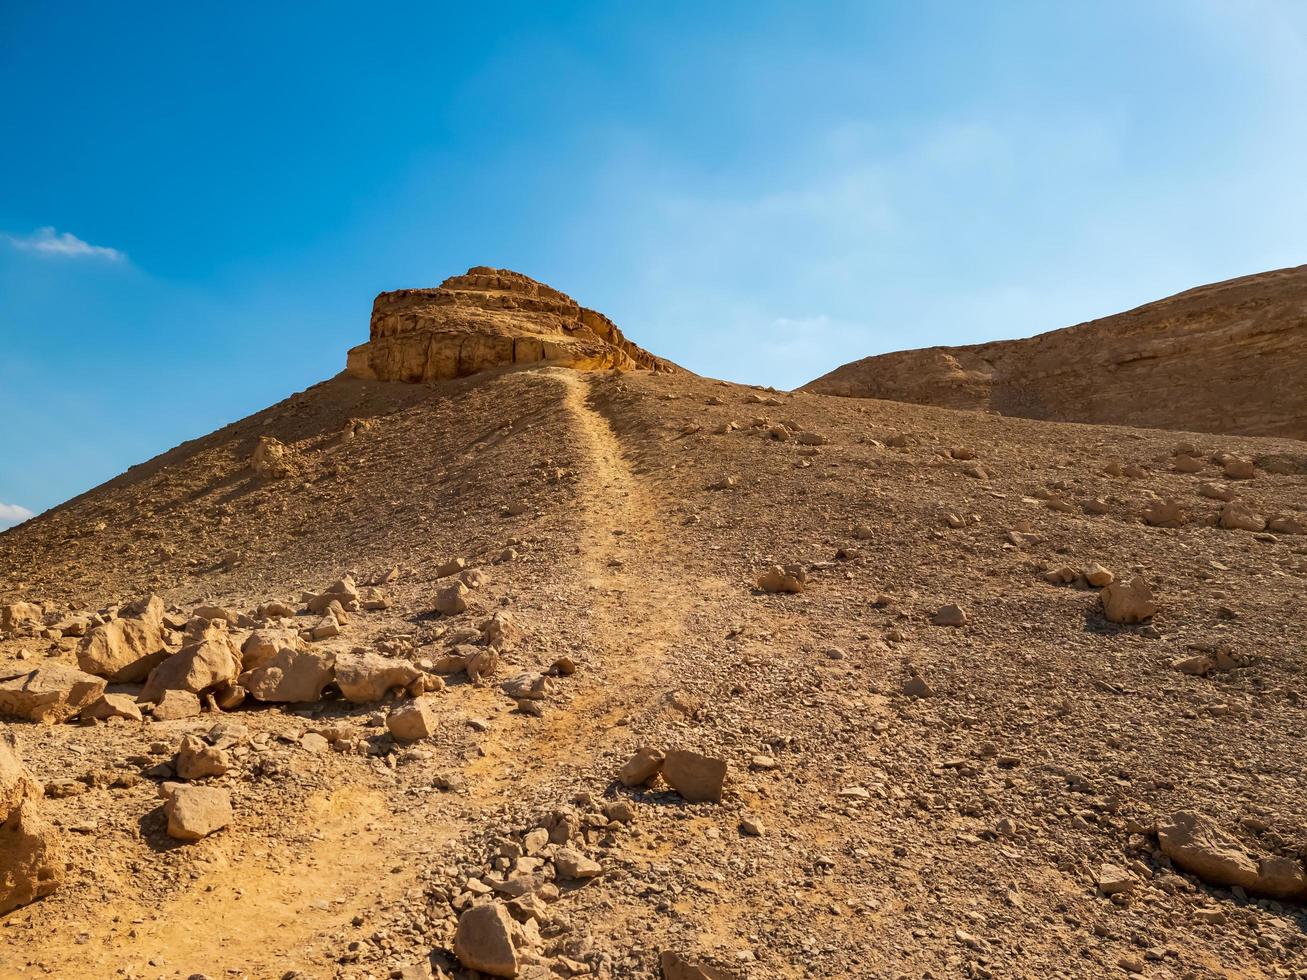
(1051, 743)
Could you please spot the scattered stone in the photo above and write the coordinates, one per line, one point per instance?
(1098, 576)
(1217, 491)
(752, 827)
(315, 743)
(451, 567)
(783, 578)
(452, 599)
(1128, 602)
(1114, 880)
(575, 865)
(112, 706)
(529, 686)
(698, 778)
(197, 759)
(1165, 513)
(676, 966)
(916, 687)
(195, 812)
(949, 615)
(412, 721)
(16, 614)
(176, 705)
(264, 644)
(1237, 468)
(1238, 516)
(642, 767)
(484, 940)
(123, 651)
(1286, 525)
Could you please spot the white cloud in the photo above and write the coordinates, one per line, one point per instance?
(55, 244)
(11, 514)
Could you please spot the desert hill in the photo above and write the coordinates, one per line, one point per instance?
(1226, 358)
(498, 589)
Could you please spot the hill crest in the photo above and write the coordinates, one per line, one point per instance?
(1224, 358)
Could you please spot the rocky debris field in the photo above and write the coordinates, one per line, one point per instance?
(552, 674)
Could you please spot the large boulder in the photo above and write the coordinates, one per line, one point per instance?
(50, 693)
(32, 861)
(484, 940)
(31, 854)
(1197, 845)
(211, 661)
(261, 646)
(15, 614)
(290, 675)
(148, 609)
(123, 651)
(364, 677)
(16, 782)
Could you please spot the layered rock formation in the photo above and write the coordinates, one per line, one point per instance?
(487, 319)
(1226, 358)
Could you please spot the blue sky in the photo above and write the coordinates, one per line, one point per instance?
(199, 202)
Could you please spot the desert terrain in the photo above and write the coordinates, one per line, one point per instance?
(514, 668)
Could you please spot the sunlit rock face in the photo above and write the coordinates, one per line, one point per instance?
(487, 319)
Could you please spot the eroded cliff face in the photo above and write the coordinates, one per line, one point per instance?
(1227, 358)
(486, 319)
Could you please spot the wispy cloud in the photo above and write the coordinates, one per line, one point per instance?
(11, 514)
(62, 245)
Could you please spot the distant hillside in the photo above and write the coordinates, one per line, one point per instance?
(1226, 358)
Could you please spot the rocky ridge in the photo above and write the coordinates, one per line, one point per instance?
(1224, 358)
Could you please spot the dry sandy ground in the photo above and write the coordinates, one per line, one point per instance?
(953, 835)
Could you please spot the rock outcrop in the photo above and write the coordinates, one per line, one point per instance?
(486, 319)
(31, 854)
(1225, 358)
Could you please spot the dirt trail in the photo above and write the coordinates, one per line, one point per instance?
(638, 599)
(252, 911)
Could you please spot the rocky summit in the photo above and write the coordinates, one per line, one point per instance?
(593, 667)
(1225, 358)
(488, 318)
